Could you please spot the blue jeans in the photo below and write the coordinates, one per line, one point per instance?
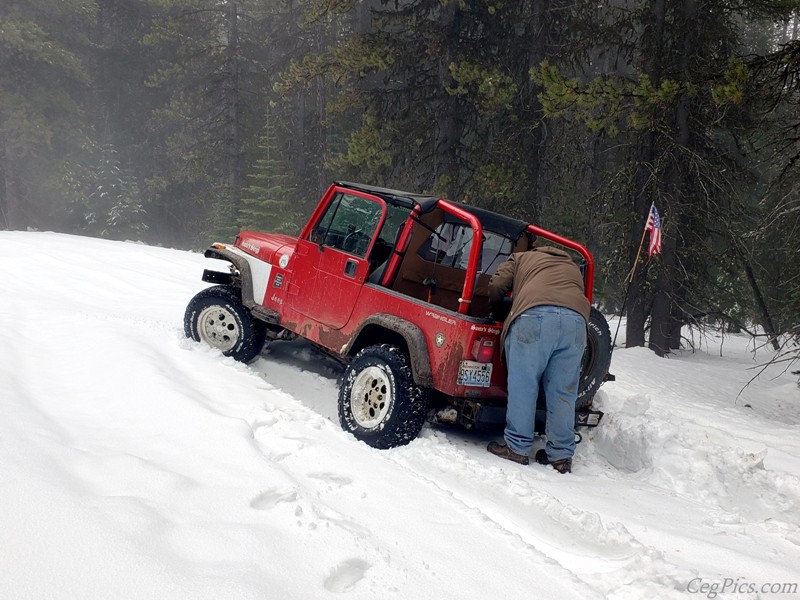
(545, 343)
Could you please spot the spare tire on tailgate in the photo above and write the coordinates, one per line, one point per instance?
(596, 358)
(594, 366)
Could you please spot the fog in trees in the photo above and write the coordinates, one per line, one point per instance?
(177, 122)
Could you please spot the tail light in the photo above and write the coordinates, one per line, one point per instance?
(483, 350)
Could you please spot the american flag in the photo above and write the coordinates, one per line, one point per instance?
(654, 227)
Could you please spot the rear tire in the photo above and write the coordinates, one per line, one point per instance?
(217, 317)
(379, 402)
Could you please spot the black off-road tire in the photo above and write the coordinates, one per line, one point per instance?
(379, 402)
(596, 358)
(217, 317)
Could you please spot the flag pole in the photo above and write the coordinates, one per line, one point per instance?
(629, 278)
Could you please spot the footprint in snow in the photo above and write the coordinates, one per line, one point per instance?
(278, 448)
(271, 498)
(346, 575)
(332, 478)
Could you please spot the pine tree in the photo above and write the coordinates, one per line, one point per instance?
(43, 50)
(441, 95)
(211, 71)
(773, 244)
(114, 209)
(268, 202)
(669, 115)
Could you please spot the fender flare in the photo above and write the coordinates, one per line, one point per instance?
(238, 261)
(414, 338)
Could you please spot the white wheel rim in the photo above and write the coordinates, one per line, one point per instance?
(218, 327)
(371, 397)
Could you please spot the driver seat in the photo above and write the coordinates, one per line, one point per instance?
(378, 259)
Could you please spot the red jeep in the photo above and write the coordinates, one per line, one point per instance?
(394, 285)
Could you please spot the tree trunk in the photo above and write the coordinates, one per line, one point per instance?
(321, 102)
(10, 203)
(445, 165)
(761, 305)
(675, 182)
(661, 323)
(534, 141)
(653, 45)
(676, 327)
(233, 144)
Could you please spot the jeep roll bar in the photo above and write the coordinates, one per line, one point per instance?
(588, 276)
(422, 204)
(474, 252)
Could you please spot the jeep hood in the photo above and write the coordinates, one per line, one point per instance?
(265, 246)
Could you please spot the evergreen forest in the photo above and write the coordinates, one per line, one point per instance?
(180, 122)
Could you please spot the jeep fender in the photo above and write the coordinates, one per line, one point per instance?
(242, 265)
(413, 336)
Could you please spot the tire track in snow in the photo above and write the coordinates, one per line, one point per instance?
(651, 550)
(364, 495)
(537, 519)
(523, 501)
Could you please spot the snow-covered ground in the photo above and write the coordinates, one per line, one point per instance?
(135, 464)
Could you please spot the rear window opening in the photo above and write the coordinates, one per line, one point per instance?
(450, 244)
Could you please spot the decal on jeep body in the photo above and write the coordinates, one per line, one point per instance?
(250, 246)
(439, 317)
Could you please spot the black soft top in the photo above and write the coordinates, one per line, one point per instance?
(396, 197)
(506, 226)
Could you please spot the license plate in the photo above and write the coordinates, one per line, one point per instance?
(474, 374)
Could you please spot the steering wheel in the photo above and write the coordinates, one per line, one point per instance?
(356, 242)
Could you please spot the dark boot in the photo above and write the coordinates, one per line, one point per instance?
(503, 451)
(562, 466)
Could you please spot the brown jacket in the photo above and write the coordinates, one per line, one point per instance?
(542, 276)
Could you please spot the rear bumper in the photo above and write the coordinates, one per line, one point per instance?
(475, 414)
